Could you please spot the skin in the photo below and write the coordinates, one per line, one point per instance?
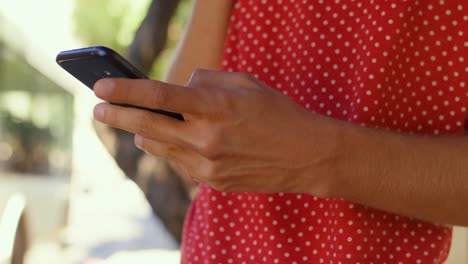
(209, 18)
(234, 135)
(211, 146)
(233, 139)
(195, 50)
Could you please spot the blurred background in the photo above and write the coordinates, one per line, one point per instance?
(64, 192)
(72, 191)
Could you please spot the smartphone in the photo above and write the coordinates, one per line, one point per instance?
(91, 64)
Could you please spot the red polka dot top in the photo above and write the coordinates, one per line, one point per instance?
(396, 65)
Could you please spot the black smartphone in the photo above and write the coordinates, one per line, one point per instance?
(91, 64)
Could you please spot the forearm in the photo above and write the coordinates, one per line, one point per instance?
(203, 41)
(425, 177)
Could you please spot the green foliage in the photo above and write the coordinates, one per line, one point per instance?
(113, 23)
(176, 29)
(109, 22)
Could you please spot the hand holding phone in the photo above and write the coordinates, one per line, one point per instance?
(91, 64)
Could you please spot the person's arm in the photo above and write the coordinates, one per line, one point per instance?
(203, 41)
(242, 136)
(425, 177)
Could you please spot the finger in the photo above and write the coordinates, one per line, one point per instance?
(175, 154)
(167, 151)
(142, 122)
(149, 94)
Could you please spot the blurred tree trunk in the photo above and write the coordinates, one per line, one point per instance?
(151, 36)
(165, 191)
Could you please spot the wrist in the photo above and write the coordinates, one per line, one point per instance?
(350, 150)
(351, 160)
(325, 177)
(343, 152)
(359, 170)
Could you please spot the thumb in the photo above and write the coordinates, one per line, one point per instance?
(202, 78)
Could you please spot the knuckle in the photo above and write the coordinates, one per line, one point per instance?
(111, 117)
(222, 186)
(172, 152)
(196, 78)
(199, 73)
(158, 96)
(123, 94)
(212, 172)
(145, 125)
(208, 149)
(249, 78)
(210, 146)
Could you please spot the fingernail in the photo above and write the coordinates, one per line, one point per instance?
(103, 88)
(139, 141)
(99, 112)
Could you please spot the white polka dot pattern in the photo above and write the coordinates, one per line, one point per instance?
(386, 64)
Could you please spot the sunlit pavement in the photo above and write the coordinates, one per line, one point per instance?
(145, 257)
(109, 220)
(116, 218)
